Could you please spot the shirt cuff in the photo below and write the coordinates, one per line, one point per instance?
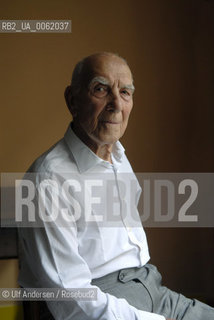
(144, 315)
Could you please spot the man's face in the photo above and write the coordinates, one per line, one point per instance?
(105, 102)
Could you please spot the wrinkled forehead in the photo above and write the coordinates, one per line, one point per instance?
(111, 68)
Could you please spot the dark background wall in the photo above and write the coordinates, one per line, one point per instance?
(169, 45)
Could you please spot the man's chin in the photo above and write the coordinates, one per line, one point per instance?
(109, 137)
(110, 140)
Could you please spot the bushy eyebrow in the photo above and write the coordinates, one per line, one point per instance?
(101, 80)
(105, 82)
(129, 86)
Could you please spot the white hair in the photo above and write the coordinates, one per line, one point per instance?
(76, 80)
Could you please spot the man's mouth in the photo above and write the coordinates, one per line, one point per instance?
(110, 122)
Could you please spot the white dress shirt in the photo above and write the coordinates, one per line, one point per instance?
(55, 256)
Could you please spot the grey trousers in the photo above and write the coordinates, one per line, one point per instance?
(142, 288)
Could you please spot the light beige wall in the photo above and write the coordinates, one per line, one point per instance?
(169, 46)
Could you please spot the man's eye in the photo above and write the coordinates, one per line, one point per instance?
(125, 92)
(100, 91)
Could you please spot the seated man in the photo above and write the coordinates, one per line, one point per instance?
(112, 259)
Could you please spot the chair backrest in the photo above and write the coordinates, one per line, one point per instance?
(36, 310)
(31, 310)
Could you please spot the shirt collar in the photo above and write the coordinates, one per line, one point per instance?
(85, 158)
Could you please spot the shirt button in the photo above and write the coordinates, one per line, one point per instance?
(121, 276)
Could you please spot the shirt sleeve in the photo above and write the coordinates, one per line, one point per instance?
(50, 259)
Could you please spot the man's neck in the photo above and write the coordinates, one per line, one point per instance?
(102, 151)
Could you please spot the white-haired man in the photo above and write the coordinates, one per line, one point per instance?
(112, 260)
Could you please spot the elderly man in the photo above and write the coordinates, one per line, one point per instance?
(113, 260)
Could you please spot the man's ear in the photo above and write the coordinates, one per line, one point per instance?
(69, 98)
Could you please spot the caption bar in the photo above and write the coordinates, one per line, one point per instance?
(50, 294)
(35, 26)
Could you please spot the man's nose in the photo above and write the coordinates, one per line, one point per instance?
(115, 102)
